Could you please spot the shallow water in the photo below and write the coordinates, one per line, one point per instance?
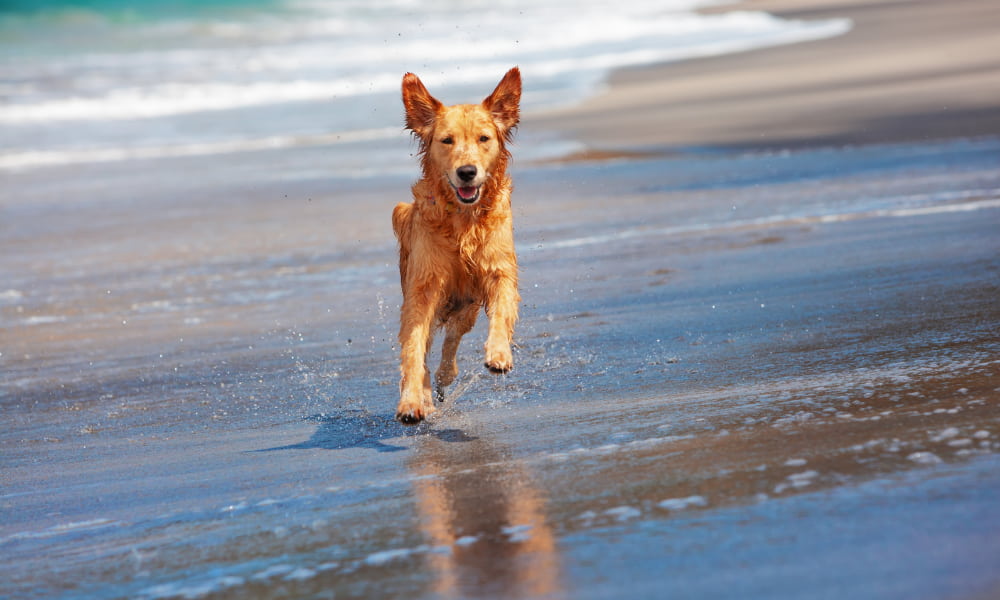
(773, 373)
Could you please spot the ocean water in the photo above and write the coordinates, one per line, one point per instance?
(115, 80)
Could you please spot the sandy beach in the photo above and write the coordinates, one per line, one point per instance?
(912, 70)
(757, 356)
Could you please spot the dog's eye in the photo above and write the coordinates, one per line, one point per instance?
(484, 138)
(448, 140)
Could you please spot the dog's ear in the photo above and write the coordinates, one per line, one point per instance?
(421, 107)
(504, 102)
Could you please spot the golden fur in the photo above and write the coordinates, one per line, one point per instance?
(456, 240)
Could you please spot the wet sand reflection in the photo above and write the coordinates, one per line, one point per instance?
(477, 500)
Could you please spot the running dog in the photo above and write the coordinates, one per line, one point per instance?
(456, 239)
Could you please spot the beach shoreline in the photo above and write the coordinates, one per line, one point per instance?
(905, 72)
(767, 371)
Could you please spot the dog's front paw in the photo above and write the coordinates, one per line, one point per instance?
(413, 410)
(499, 358)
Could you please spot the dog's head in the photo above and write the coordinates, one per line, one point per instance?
(464, 144)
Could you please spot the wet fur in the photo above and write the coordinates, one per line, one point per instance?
(456, 256)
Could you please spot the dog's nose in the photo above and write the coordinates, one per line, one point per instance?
(466, 173)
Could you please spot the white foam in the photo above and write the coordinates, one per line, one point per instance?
(336, 50)
(10, 296)
(796, 480)
(606, 449)
(17, 161)
(802, 479)
(924, 458)
(377, 559)
(587, 515)
(517, 533)
(300, 574)
(274, 571)
(192, 591)
(915, 212)
(945, 206)
(623, 513)
(44, 319)
(61, 529)
(683, 503)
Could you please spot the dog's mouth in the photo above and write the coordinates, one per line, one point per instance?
(467, 194)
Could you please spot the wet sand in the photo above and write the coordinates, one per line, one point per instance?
(754, 373)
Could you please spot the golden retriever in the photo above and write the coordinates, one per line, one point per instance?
(456, 239)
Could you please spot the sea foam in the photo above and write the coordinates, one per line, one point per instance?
(299, 73)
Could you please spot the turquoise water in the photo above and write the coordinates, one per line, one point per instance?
(130, 9)
(116, 80)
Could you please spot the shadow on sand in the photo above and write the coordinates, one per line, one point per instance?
(361, 429)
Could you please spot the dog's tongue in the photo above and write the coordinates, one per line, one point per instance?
(467, 193)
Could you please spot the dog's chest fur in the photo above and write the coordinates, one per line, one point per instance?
(466, 234)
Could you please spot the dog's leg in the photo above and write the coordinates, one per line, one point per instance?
(419, 306)
(460, 323)
(428, 391)
(416, 333)
(501, 308)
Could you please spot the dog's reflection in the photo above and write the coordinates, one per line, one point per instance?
(475, 499)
